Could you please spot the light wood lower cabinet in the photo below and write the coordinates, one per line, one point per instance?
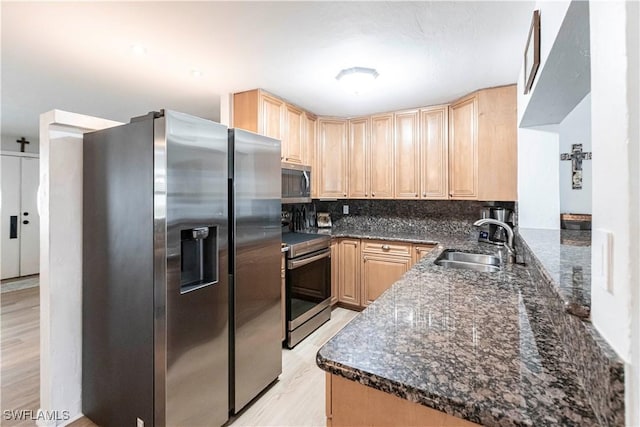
(349, 403)
(363, 269)
(379, 272)
(421, 250)
(349, 271)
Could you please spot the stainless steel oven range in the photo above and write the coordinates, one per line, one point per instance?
(308, 284)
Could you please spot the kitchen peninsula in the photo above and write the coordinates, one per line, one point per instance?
(473, 346)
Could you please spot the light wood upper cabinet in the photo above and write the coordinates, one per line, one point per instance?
(381, 163)
(497, 144)
(292, 140)
(309, 156)
(272, 116)
(463, 149)
(434, 155)
(332, 161)
(349, 271)
(309, 140)
(359, 186)
(263, 113)
(483, 145)
(407, 155)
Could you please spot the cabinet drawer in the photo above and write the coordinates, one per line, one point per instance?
(386, 247)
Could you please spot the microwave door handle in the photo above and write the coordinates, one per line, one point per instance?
(306, 179)
(293, 264)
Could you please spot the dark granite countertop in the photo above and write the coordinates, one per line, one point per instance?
(565, 257)
(478, 346)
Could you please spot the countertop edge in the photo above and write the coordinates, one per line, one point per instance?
(440, 403)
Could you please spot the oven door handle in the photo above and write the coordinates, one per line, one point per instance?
(295, 263)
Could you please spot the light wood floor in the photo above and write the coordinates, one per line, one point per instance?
(20, 353)
(296, 399)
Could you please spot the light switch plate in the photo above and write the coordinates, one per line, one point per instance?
(345, 209)
(602, 268)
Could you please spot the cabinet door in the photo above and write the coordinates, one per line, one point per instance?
(421, 250)
(434, 153)
(407, 155)
(309, 141)
(497, 144)
(359, 158)
(381, 157)
(379, 272)
(335, 271)
(349, 271)
(463, 153)
(292, 138)
(271, 118)
(332, 158)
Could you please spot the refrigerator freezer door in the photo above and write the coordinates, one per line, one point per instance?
(197, 314)
(256, 343)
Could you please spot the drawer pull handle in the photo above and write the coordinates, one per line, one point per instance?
(385, 247)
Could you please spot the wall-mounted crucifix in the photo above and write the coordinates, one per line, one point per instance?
(576, 156)
(22, 143)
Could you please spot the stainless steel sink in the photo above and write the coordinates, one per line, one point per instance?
(451, 258)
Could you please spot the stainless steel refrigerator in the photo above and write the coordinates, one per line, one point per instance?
(155, 273)
(256, 322)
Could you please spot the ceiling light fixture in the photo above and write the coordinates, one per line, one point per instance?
(357, 80)
(138, 49)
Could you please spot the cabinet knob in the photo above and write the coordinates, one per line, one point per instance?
(424, 194)
(385, 247)
(373, 194)
(345, 194)
(365, 194)
(416, 194)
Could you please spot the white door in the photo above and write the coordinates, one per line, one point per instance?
(10, 217)
(29, 218)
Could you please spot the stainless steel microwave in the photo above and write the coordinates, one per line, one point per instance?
(296, 183)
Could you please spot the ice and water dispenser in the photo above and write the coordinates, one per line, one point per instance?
(199, 258)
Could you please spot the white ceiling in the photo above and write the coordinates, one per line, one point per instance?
(76, 56)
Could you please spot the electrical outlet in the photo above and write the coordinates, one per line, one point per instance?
(345, 209)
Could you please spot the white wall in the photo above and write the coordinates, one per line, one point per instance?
(576, 129)
(614, 101)
(538, 193)
(552, 14)
(60, 201)
(9, 144)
